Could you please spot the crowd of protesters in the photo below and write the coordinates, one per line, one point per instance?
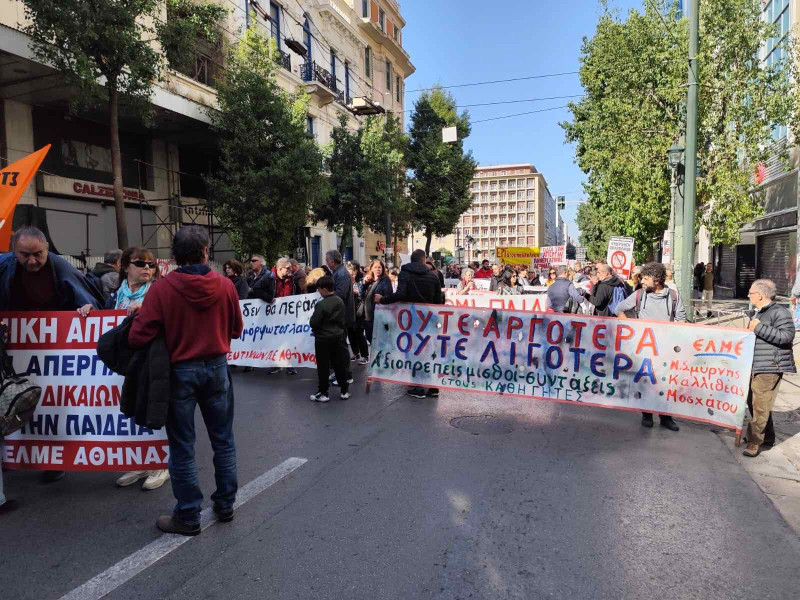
(33, 279)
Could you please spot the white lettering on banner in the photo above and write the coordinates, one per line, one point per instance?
(276, 334)
(696, 372)
(77, 424)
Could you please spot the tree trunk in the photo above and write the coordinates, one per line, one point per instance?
(116, 166)
(428, 239)
(343, 243)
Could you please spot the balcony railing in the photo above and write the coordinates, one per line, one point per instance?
(311, 71)
(284, 60)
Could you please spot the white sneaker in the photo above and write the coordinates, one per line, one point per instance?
(345, 396)
(319, 397)
(155, 479)
(131, 478)
(363, 361)
(336, 383)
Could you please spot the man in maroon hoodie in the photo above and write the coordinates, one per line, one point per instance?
(197, 312)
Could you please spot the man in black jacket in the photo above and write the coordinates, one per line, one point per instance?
(773, 356)
(603, 291)
(342, 287)
(416, 284)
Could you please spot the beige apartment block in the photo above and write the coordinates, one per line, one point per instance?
(511, 206)
(335, 50)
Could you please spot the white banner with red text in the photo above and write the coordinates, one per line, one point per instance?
(695, 372)
(482, 299)
(77, 425)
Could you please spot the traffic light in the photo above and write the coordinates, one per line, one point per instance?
(562, 202)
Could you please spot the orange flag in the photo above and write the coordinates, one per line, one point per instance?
(13, 181)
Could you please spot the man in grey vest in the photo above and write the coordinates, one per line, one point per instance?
(654, 302)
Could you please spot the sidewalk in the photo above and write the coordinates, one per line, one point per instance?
(777, 470)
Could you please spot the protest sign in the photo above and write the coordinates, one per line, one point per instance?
(551, 256)
(620, 255)
(482, 283)
(525, 302)
(450, 282)
(516, 255)
(78, 425)
(277, 334)
(695, 372)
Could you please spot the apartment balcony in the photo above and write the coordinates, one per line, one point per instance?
(320, 83)
(284, 60)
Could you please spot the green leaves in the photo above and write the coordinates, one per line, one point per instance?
(270, 170)
(442, 172)
(634, 73)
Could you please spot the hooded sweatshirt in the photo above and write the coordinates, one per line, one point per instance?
(197, 311)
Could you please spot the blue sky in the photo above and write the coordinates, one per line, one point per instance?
(464, 41)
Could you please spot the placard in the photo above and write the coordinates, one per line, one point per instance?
(77, 425)
(620, 255)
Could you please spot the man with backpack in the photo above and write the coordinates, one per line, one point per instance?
(608, 291)
(653, 302)
(562, 295)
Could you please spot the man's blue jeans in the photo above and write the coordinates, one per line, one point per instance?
(205, 383)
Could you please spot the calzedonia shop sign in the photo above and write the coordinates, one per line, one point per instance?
(63, 186)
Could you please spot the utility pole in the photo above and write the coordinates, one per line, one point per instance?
(690, 188)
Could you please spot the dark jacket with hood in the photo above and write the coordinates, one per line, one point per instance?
(416, 283)
(146, 389)
(191, 297)
(774, 336)
(603, 293)
(72, 289)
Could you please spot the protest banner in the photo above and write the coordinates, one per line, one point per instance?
(695, 372)
(479, 299)
(551, 256)
(516, 255)
(277, 334)
(77, 425)
(620, 255)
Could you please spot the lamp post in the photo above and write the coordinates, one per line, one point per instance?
(675, 234)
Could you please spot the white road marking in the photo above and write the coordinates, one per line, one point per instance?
(113, 577)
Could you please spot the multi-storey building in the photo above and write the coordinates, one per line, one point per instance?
(511, 206)
(768, 245)
(343, 53)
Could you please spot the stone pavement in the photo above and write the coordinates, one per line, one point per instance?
(777, 470)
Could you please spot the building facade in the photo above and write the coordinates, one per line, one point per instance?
(768, 246)
(338, 51)
(511, 206)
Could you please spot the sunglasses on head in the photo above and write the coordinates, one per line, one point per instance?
(143, 263)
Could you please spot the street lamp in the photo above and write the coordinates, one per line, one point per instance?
(675, 231)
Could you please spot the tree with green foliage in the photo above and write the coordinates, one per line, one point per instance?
(107, 50)
(440, 187)
(385, 147)
(634, 74)
(270, 169)
(350, 184)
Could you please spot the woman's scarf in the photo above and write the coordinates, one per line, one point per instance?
(125, 297)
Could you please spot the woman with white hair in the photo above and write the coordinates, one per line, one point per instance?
(467, 283)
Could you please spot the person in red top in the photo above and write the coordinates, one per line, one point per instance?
(485, 272)
(285, 285)
(176, 304)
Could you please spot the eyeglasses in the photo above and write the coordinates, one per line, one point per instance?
(143, 263)
(751, 293)
(254, 260)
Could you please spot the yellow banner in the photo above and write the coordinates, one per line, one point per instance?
(516, 255)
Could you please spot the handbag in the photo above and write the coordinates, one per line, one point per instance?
(18, 396)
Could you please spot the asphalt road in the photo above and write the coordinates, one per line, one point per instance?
(523, 499)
